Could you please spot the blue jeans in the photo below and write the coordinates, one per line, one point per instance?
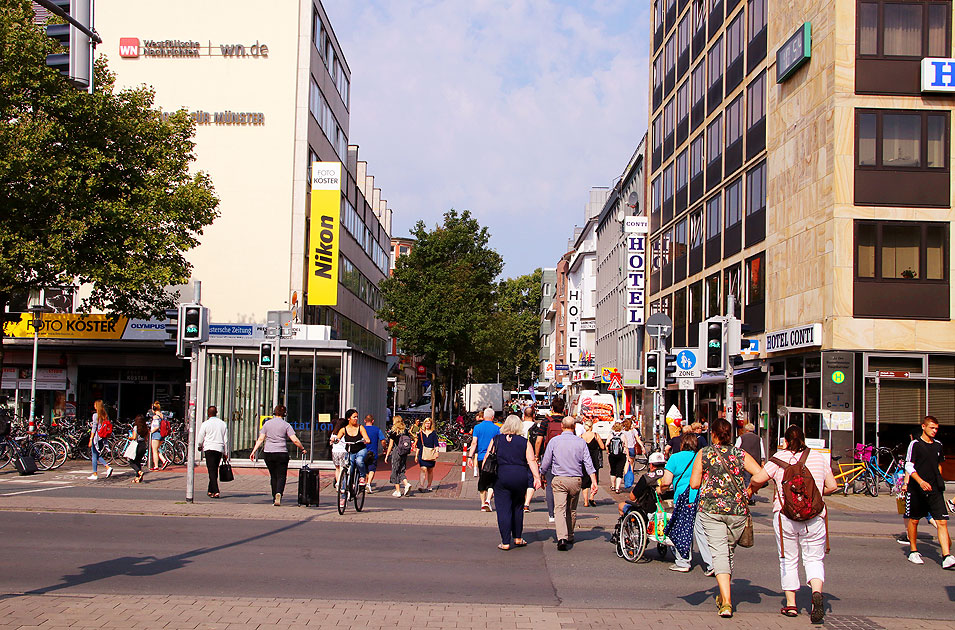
(358, 459)
(95, 456)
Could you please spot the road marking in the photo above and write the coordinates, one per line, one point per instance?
(35, 480)
(11, 494)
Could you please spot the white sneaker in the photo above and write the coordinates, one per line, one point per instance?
(948, 562)
(109, 471)
(396, 493)
(369, 489)
(550, 519)
(679, 569)
(93, 477)
(475, 472)
(407, 486)
(915, 558)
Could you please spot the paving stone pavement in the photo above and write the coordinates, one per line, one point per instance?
(104, 612)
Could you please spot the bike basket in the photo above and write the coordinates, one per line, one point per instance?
(862, 452)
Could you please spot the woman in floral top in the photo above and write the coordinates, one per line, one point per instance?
(723, 504)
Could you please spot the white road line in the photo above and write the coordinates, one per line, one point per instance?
(10, 494)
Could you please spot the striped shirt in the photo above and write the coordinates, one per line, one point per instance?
(817, 463)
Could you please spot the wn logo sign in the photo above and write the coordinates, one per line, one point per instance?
(938, 75)
(128, 46)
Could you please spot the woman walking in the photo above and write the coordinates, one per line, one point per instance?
(155, 438)
(596, 446)
(427, 455)
(515, 464)
(272, 435)
(138, 434)
(399, 447)
(808, 538)
(676, 475)
(96, 442)
(616, 456)
(723, 503)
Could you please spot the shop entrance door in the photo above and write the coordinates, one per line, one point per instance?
(809, 419)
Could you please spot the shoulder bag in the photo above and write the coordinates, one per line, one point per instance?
(490, 459)
(225, 470)
(428, 453)
(746, 537)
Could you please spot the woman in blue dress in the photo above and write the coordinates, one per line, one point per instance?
(516, 471)
(427, 454)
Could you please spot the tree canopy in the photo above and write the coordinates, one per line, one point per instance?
(95, 189)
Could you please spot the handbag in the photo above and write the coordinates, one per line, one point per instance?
(131, 448)
(679, 528)
(489, 466)
(225, 470)
(747, 537)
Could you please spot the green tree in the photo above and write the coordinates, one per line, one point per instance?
(95, 189)
(515, 330)
(440, 297)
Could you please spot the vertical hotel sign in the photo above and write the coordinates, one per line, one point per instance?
(323, 233)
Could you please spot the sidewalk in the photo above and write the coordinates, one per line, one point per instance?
(79, 612)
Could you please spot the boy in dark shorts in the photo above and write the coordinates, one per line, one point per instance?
(925, 495)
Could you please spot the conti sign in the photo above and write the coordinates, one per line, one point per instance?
(323, 233)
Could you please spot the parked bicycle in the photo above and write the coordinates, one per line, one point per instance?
(865, 470)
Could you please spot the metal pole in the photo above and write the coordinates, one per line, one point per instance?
(727, 360)
(278, 367)
(311, 438)
(36, 348)
(878, 387)
(191, 412)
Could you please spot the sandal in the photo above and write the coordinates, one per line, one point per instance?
(789, 611)
(210, 494)
(215, 495)
(504, 547)
(723, 610)
(520, 542)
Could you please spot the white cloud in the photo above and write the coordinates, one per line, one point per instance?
(511, 110)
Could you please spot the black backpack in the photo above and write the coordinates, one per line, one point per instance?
(5, 424)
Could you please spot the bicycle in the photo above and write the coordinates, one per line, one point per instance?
(858, 470)
(348, 487)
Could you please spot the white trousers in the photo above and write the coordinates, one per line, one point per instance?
(806, 539)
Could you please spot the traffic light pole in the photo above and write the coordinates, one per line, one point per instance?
(191, 410)
(658, 395)
(727, 359)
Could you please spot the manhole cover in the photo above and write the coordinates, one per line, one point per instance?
(848, 622)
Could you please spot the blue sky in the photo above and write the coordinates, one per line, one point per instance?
(511, 110)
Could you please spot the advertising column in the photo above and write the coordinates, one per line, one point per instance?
(323, 234)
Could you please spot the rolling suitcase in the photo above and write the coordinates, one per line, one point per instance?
(25, 464)
(307, 486)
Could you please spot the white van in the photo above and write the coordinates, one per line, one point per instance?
(601, 408)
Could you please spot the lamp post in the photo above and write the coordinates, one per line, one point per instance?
(37, 310)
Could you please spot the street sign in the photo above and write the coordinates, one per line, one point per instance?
(659, 324)
(687, 363)
(685, 383)
(616, 382)
(888, 374)
(562, 367)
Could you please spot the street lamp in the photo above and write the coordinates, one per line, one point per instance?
(37, 310)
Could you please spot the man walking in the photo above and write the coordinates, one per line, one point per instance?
(925, 495)
(213, 440)
(566, 459)
(552, 428)
(751, 443)
(483, 433)
(374, 447)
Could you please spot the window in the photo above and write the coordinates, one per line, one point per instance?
(756, 101)
(657, 140)
(670, 55)
(713, 295)
(658, 81)
(669, 121)
(714, 62)
(655, 195)
(734, 134)
(659, 10)
(734, 52)
(734, 203)
(732, 287)
(699, 89)
(696, 230)
(910, 29)
(679, 315)
(714, 139)
(713, 218)
(319, 108)
(696, 157)
(679, 240)
(755, 280)
(756, 189)
(696, 302)
(681, 170)
(668, 184)
(902, 139)
(683, 102)
(757, 18)
(683, 36)
(319, 34)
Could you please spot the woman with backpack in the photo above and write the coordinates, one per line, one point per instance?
(100, 429)
(801, 476)
(156, 437)
(616, 456)
(399, 447)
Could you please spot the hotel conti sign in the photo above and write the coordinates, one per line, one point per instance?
(323, 233)
(792, 338)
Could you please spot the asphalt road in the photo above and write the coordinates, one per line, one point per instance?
(95, 553)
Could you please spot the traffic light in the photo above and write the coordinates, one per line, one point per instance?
(669, 367)
(651, 370)
(266, 355)
(193, 323)
(75, 62)
(714, 344)
(172, 331)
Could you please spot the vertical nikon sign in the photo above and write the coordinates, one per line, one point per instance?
(323, 233)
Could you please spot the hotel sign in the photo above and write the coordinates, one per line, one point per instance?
(636, 270)
(938, 75)
(323, 233)
(792, 338)
(794, 53)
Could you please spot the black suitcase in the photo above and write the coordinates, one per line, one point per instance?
(307, 486)
(25, 464)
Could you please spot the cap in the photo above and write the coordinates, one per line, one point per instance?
(657, 458)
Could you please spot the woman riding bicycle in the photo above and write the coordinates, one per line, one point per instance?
(355, 439)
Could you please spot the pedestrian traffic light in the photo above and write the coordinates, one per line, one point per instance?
(669, 368)
(172, 331)
(651, 370)
(714, 344)
(193, 323)
(75, 62)
(266, 355)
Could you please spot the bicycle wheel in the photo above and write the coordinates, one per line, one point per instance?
(871, 483)
(62, 452)
(6, 454)
(359, 496)
(43, 454)
(343, 483)
(179, 453)
(117, 448)
(633, 536)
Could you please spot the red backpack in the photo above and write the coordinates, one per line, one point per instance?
(799, 495)
(164, 428)
(554, 428)
(105, 428)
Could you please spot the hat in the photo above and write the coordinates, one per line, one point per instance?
(657, 458)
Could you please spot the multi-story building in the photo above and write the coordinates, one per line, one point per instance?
(547, 367)
(621, 278)
(801, 163)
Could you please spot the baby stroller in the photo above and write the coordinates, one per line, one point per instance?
(646, 520)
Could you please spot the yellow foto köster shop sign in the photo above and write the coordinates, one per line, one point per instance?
(67, 326)
(323, 233)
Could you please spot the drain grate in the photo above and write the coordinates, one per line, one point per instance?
(849, 622)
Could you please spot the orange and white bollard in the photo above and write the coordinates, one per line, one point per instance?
(464, 464)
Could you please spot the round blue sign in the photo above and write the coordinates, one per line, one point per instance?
(685, 360)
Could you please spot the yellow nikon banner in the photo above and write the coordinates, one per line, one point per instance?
(67, 326)
(323, 233)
